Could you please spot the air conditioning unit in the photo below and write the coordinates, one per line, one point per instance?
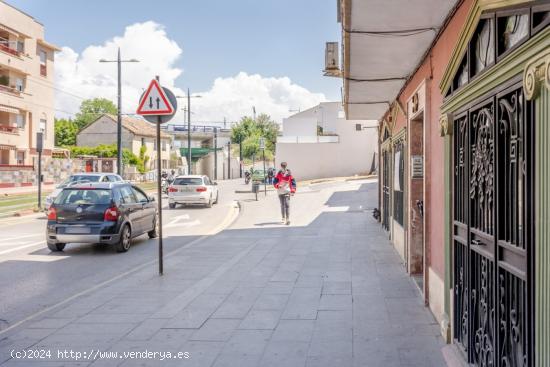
(332, 63)
(358, 127)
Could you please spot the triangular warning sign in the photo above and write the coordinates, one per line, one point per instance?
(155, 101)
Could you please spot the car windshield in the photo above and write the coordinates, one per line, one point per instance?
(83, 196)
(188, 181)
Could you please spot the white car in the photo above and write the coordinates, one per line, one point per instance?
(79, 178)
(193, 189)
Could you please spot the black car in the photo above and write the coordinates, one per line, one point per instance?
(109, 213)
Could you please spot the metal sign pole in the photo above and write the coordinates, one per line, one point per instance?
(159, 194)
(158, 113)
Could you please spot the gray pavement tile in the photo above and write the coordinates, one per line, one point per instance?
(309, 281)
(247, 342)
(302, 304)
(116, 318)
(271, 302)
(335, 302)
(331, 360)
(285, 276)
(294, 330)
(238, 303)
(201, 353)
(278, 288)
(285, 353)
(236, 359)
(189, 318)
(331, 287)
(331, 348)
(146, 329)
(261, 319)
(338, 275)
(97, 328)
(216, 330)
(50, 323)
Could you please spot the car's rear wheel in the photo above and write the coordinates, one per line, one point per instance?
(56, 246)
(217, 197)
(209, 204)
(154, 232)
(172, 205)
(123, 244)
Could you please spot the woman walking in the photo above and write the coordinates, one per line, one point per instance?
(286, 186)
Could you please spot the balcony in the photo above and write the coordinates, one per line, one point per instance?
(10, 90)
(9, 129)
(9, 50)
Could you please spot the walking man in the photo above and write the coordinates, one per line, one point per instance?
(286, 186)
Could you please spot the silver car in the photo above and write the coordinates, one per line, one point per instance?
(79, 178)
(193, 189)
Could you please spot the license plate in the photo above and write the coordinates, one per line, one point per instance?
(77, 230)
(186, 189)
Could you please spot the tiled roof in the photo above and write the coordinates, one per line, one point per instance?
(138, 126)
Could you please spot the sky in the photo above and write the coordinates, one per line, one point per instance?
(235, 54)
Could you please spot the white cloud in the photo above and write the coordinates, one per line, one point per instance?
(230, 97)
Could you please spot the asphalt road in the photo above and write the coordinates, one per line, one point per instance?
(32, 278)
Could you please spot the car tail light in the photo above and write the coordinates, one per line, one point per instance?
(52, 213)
(172, 189)
(111, 214)
(201, 189)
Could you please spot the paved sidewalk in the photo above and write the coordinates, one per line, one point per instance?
(329, 290)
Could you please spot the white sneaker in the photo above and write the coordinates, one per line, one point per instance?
(283, 221)
(287, 222)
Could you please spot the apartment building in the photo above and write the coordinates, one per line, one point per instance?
(26, 89)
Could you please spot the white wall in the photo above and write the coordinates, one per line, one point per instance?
(352, 155)
(293, 126)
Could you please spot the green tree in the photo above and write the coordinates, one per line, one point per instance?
(249, 131)
(65, 132)
(91, 109)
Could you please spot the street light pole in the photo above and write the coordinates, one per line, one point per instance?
(119, 118)
(188, 132)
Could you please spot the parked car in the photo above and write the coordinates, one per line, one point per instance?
(193, 189)
(80, 178)
(104, 212)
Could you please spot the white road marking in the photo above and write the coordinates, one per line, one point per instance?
(22, 247)
(196, 222)
(177, 219)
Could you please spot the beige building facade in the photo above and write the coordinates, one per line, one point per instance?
(136, 133)
(26, 89)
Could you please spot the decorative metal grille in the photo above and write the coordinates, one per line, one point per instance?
(386, 190)
(492, 236)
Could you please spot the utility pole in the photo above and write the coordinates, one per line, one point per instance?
(188, 132)
(229, 160)
(215, 153)
(119, 62)
(241, 157)
(119, 118)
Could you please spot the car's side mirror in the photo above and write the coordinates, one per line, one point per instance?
(215, 183)
(151, 198)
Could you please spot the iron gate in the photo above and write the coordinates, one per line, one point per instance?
(493, 235)
(386, 190)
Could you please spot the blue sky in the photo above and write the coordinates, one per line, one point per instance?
(218, 38)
